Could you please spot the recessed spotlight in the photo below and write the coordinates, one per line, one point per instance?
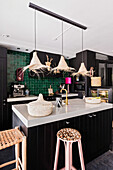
(5, 35)
(27, 49)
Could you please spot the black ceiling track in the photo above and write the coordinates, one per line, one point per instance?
(36, 7)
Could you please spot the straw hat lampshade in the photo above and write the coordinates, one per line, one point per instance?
(35, 63)
(62, 66)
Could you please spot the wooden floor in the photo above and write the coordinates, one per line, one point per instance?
(103, 162)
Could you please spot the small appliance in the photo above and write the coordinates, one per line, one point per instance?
(18, 90)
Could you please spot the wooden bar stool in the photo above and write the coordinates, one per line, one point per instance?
(68, 136)
(14, 137)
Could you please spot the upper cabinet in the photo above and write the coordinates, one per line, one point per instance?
(89, 61)
(104, 65)
(4, 115)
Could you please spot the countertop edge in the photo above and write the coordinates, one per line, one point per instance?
(70, 115)
(26, 98)
(20, 116)
(54, 118)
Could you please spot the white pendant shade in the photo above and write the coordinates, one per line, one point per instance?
(63, 65)
(35, 63)
(82, 70)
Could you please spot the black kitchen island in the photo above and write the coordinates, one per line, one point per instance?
(93, 121)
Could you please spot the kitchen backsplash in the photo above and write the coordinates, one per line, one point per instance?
(35, 85)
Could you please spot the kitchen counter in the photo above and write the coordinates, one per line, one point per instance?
(26, 98)
(70, 95)
(93, 121)
(76, 107)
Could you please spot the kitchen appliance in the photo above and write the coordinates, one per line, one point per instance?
(52, 97)
(106, 94)
(18, 90)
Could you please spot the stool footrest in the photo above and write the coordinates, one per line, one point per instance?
(72, 168)
(8, 163)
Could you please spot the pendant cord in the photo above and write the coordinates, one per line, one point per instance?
(82, 45)
(62, 38)
(35, 27)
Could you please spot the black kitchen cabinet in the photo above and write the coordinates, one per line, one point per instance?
(95, 129)
(105, 71)
(89, 59)
(103, 67)
(3, 89)
(96, 133)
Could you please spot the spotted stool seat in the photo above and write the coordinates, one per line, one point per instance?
(68, 136)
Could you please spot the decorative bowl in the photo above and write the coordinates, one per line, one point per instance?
(93, 100)
(40, 107)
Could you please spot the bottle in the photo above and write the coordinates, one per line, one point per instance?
(50, 91)
(26, 90)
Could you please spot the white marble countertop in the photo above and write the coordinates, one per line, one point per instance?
(16, 99)
(32, 97)
(76, 107)
(70, 95)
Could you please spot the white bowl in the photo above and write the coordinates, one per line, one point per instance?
(92, 100)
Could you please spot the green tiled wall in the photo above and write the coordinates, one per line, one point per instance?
(20, 59)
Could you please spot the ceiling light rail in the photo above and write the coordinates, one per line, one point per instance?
(43, 10)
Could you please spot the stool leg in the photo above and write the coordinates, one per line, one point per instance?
(81, 155)
(71, 154)
(67, 158)
(17, 154)
(24, 145)
(56, 154)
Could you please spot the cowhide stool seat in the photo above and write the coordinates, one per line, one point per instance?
(14, 137)
(68, 136)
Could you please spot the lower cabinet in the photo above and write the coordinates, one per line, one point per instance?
(95, 129)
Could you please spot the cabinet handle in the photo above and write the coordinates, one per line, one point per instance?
(67, 123)
(90, 116)
(94, 115)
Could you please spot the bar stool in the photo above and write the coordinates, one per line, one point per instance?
(14, 137)
(68, 136)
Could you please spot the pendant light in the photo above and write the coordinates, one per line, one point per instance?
(62, 66)
(35, 63)
(82, 70)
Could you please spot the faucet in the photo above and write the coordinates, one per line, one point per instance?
(66, 101)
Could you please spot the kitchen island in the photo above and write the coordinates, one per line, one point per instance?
(94, 122)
